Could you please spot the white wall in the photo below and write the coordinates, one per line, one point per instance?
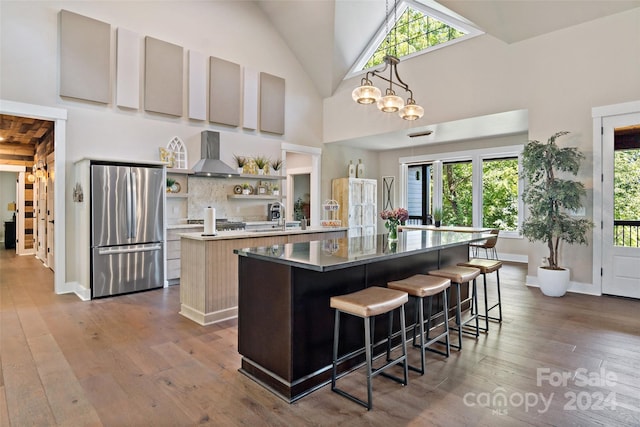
(232, 30)
(558, 77)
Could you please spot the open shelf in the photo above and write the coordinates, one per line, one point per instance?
(262, 177)
(180, 171)
(254, 196)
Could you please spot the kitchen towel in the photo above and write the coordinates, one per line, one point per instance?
(209, 221)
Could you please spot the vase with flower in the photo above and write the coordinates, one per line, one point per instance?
(393, 218)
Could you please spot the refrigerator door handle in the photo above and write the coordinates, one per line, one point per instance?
(112, 251)
(128, 207)
(134, 207)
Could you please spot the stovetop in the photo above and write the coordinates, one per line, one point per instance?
(221, 224)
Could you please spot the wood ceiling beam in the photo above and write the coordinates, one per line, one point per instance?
(13, 162)
(17, 149)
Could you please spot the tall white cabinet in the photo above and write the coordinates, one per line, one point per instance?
(358, 205)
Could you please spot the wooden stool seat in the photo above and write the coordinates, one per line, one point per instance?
(459, 275)
(418, 287)
(369, 302)
(487, 266)
(421, 285)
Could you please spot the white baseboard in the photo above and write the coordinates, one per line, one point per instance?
(509, 257)
(575, 287)
(76, 288)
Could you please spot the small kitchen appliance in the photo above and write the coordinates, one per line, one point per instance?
(274, 212)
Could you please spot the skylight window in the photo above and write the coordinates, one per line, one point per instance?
(418, 28)
(413, 32)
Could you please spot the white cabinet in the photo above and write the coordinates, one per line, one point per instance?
(173, 251)
(358, 206)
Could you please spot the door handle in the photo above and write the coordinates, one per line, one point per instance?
(51, 221)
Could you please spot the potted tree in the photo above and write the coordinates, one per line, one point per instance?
(549, 199)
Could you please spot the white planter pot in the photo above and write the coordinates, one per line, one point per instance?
(553, 283)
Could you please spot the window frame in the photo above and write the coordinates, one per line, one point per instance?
(476, 157)
(432, 9)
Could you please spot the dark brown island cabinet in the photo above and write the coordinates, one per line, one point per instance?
(285, 324)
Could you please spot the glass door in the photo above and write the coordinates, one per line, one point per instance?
(621, 206)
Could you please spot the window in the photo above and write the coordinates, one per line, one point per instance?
(457, 193)
(479, 188)
(413, 30)
(420, 194)
(500, 193)
(626, 202)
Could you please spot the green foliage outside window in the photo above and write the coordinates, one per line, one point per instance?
(500, 194)
(457, 194)
(626, 188)
(413, 32)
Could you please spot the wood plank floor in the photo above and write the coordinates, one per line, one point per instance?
(133, 361)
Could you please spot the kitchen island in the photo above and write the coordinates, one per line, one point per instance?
(285, 324)
(209, 268)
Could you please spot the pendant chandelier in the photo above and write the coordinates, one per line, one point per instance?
(367, 93)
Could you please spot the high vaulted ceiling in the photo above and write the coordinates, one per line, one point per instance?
(328, 36)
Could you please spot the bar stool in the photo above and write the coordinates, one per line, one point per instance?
(366, 304)
(418, 287)
(487, 266)
(458, 276)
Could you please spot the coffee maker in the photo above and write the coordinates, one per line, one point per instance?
(273, 212)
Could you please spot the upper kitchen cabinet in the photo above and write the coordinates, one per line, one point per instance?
(358, 207)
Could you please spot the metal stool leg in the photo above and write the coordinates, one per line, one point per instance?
(367, 346)
(369, 323)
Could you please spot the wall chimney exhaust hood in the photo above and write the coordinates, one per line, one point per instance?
(210, 163)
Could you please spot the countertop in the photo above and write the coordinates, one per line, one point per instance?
(456, 228)
(180, 226)
(333, 254)
(242, 234)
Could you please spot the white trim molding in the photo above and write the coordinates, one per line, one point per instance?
(599, 114)
(59, 117)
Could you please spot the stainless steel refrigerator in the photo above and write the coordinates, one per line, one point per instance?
(127, 223)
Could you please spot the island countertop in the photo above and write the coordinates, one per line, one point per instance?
(243, 234)
(333, 254)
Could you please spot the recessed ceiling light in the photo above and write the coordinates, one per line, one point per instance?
(417, 134)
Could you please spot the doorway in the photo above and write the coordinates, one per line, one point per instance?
(59, 118)
(302, 166)
(617, 210)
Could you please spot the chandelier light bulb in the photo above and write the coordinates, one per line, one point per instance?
(390, 102)
(366, 93)
(411, 111)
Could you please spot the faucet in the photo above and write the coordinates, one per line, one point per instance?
(282, 221)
